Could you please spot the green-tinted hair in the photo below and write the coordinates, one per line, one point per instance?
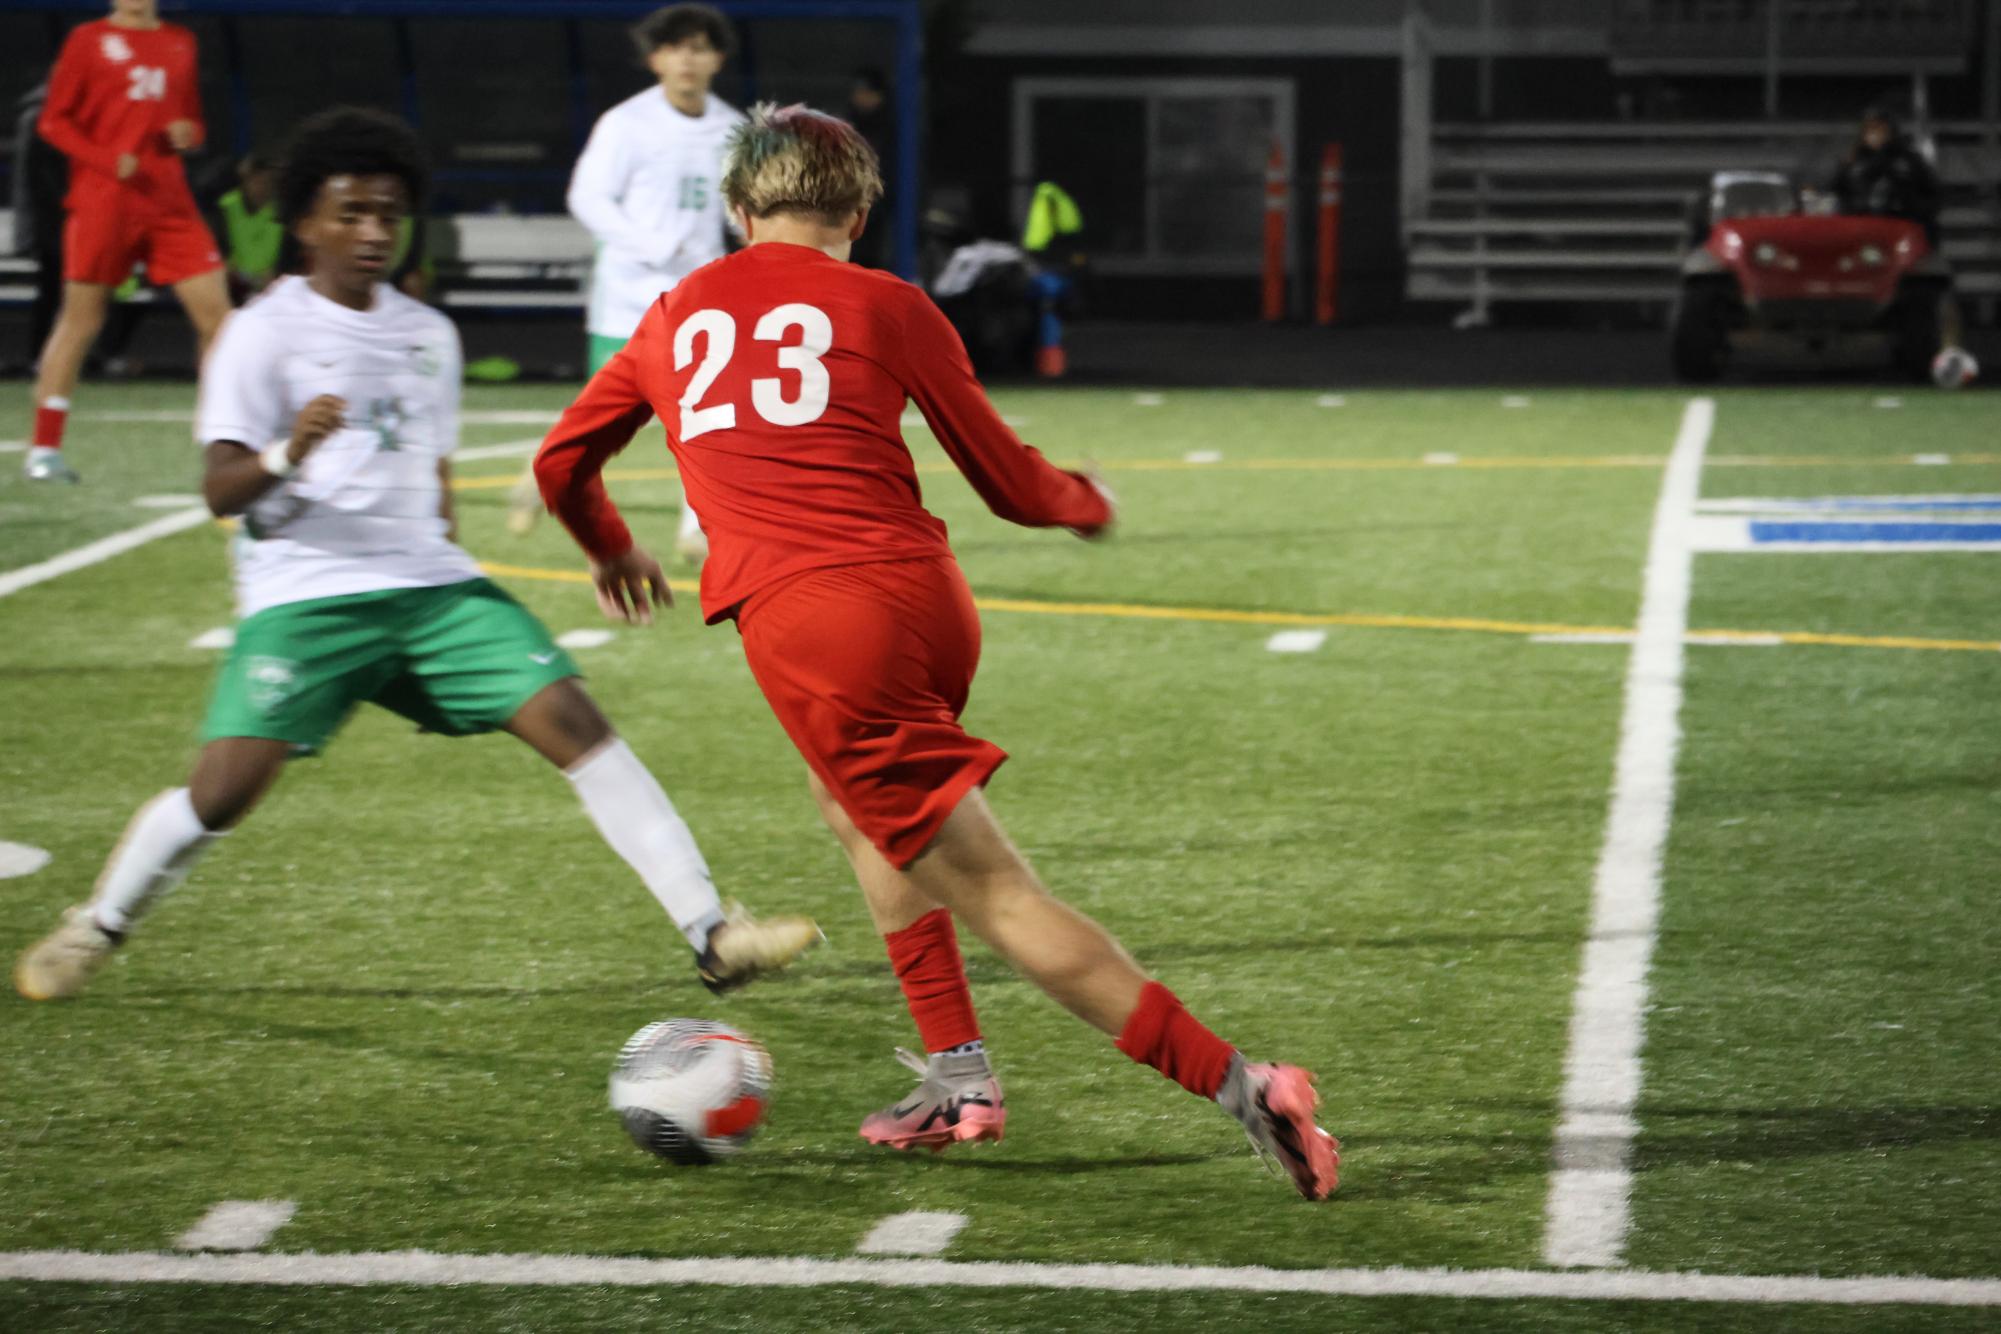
(797, 160)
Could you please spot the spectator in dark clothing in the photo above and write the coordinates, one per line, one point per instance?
(41, 178)
(868, 111)
(1884, 173)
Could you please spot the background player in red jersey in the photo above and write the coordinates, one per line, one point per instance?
(123, 106)
(780, 373)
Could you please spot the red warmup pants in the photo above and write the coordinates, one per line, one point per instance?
(868, 667)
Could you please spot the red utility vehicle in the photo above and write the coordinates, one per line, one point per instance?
(1762, 271)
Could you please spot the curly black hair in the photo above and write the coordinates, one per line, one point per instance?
(344, 141)
(677, 23)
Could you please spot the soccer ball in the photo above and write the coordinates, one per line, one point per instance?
(691, 1091)
(1954, 368)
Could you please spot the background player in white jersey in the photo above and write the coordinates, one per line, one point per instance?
(646, 186)
(329, 412)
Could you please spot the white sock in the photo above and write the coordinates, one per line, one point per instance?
(632, 812)
(160, 846)
(691, 522)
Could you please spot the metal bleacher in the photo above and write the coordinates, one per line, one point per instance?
(1597, 212)
(512, 263)
(1500, 211)
(1810, 36)
(493, 264)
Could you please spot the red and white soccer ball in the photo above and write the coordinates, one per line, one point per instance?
(1954, 368)
(690, 1090)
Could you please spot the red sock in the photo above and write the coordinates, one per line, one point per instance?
(925, 955)
(1162, 1034)
(49, 424)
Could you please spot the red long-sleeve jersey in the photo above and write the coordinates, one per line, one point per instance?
(114, 91)
(780, 374)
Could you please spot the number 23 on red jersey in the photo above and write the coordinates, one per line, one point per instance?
(717, 331)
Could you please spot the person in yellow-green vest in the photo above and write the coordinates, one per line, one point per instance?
(251, 232)
(1051, 235)
(253, 237)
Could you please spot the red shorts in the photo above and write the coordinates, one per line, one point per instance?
(103, 245)
(867, 668)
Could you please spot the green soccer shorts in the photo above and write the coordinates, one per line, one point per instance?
(603, 347)
(457, 659)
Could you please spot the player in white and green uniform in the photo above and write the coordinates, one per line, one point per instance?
(329, 412)
(646, 187)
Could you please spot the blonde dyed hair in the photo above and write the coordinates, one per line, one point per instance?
(797, 160)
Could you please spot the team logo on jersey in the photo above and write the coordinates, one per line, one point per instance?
(387, 418)
(425, 358)
(116, 47)
(270, 681)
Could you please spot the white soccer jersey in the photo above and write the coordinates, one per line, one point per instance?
(361, 514)
(647, 187)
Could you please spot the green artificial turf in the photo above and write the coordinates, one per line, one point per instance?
(394, 995)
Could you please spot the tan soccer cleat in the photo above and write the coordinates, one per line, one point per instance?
(692, 547)
(60, 965)
(524, 504)
(691, 544)
(744, 948)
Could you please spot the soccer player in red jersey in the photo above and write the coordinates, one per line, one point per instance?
(780, 373)
(123, 106)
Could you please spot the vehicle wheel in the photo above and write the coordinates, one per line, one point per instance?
(1698, 330)
(1914, 329)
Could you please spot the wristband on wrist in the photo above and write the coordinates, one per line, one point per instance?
(277, 458)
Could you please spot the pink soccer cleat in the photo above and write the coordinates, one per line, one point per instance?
(959, 1100)
(1275, 1104)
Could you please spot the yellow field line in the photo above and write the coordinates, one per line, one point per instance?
(1875, 641)
(1846, 461)
(1229, 616)
(1381, 465)
(567, 576)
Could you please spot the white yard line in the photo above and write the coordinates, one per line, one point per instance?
(168, 416)
(1296, 641)
(1590, 1191)
(19, 859)
(913, 1233)
(508, 417)
(101, 550)
(430, 1269)
(238, 1225)
(506, 449)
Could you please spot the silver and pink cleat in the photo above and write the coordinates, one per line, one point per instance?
(957, 1101)
(1275, 1105)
